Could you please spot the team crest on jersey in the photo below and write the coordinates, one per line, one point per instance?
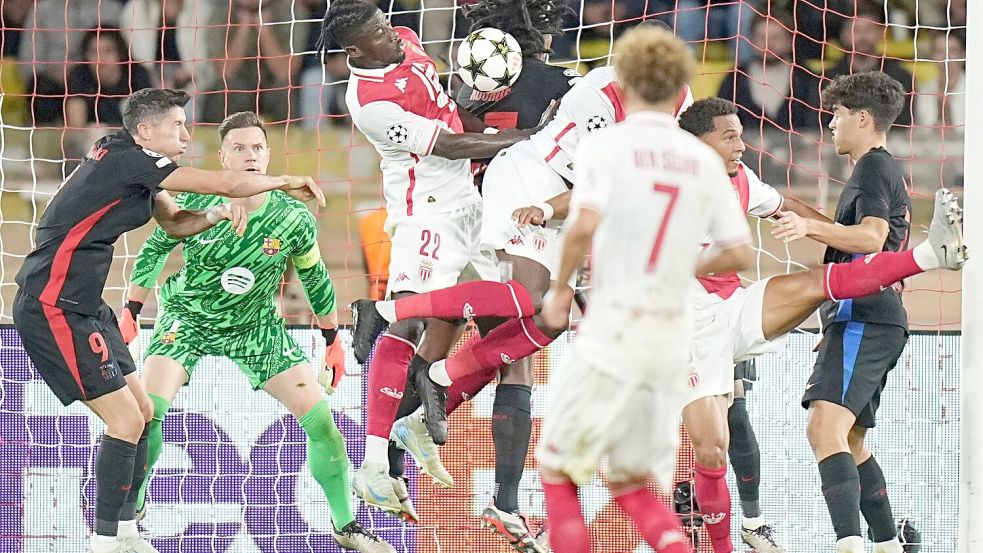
(271, 246)
(596, 123)
(168, 338)
(539, 242)
(694, 379)
(426, 271)
(397, 134)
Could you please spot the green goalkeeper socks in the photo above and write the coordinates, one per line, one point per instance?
(155, 443)
(327, 456)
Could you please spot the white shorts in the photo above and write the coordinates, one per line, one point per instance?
(726, 331)
(518, 177)
(593, 413)
(430, 252)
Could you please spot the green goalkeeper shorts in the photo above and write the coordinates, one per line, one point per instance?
(261, 351)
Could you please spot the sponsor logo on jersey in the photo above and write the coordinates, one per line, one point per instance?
(478, 96)
(516, 240)
(401, 84)
(713, 518)
(271, 246)
(426, 271)
(238, 280)
(402, 277)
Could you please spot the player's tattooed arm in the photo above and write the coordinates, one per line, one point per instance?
(182, 223)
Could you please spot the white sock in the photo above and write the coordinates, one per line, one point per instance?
(387, 309)
(377, 451)
(850, 544)
(438, 373)
(127, 528)
(103, 544)
(925, 256)
(753, 523)
(890, 546)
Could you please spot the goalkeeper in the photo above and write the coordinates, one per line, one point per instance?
(222, 303)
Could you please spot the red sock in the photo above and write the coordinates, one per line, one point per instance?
(713, 497)
(479, 298)
(868, 275)
(467, 387)
(508, 342)
(568, 531)
(658, 526)
(387, 379)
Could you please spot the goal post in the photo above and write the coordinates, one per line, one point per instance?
(971, 382)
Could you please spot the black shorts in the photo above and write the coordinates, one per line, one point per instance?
(80, 357)
(747, 372)
(852, 367)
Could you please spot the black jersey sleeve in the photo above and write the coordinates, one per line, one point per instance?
(143, 167)
(876, 189)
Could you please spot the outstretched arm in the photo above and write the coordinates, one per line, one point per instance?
(240, 184)
(182, 223)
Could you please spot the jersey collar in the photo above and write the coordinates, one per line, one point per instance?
(652, 116)
(377, 75)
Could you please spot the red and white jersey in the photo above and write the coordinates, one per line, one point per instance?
(401, 109)
(592, 104)
(756, 198)
(658, 190)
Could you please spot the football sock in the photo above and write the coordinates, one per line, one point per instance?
(874, 503)
(327, 457)
(467, 387)
(155, 443)
(511, 430)
(127, 528)
(508, 342)
(841, 490)
(745, 457)
(850, 544)
(479, 298)
(868, 275)
(924, 256)
(714, 499)
(659, 527)
(568, 531)
(397, 461)
(114, 478)
(387, 379)
(129, 510)
(889, 546)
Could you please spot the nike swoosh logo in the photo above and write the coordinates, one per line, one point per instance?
(209, 241)
(809, 386)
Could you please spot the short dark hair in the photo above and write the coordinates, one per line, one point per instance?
(240, 120)
(528, 21)
(344, 22)
(875, 91)
(150, 103)
(698, 118)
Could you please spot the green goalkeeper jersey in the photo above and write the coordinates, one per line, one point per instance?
(230, 282)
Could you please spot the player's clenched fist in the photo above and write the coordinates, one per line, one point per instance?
(303, 188)
(129, 322)
(556, 306)
(334, 361)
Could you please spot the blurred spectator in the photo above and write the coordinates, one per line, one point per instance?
(52, 34)
(12, 14)
(106, 76)
(169, 36)
(259, 61)
(771, 89)
(816, 25)
(323, 87)
(863, 39)
(942, 101)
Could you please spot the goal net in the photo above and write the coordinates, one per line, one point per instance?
(233, 475)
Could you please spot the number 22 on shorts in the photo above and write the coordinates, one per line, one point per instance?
(430, 239)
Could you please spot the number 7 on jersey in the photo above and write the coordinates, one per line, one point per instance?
(673, 192)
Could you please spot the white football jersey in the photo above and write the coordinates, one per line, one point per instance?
(592, 104)
(402, 109)
(659, 190)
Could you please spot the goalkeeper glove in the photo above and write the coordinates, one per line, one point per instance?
(129, 324)
(334, 360)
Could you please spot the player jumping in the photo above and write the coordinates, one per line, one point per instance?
(644, 203)
(69, 332)
(434, 211)
(222, 303)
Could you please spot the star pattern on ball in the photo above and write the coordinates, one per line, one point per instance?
(475, 67)
(596, 123)
(502, 46)
(397, 133)
(505, 79)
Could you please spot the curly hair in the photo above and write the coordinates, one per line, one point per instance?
(653, 63)
(344, 22)
(529, 21)
(875, 91)
(698, 118)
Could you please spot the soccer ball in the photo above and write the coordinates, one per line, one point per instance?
(490, 60)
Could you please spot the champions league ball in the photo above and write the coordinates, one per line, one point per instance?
(490, 60)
